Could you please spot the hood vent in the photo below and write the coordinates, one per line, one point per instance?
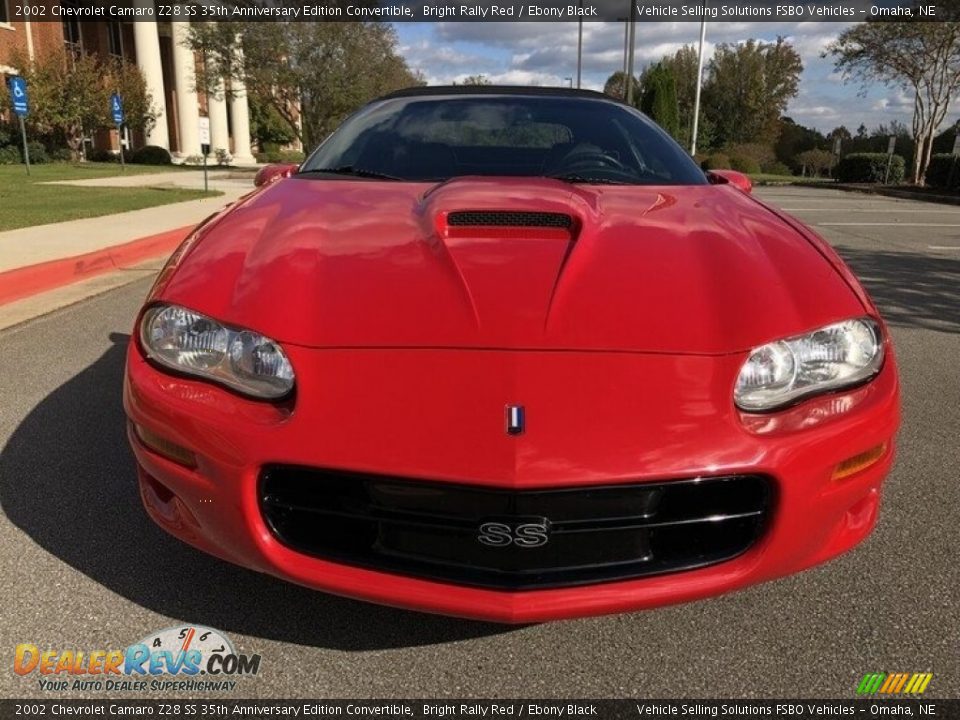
(497, 218)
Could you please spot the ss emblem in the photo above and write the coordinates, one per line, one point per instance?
(520, 532)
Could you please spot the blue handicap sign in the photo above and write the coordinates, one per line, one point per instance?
(116, 108)
(18, 92)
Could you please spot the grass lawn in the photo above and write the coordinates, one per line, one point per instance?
(25, 201)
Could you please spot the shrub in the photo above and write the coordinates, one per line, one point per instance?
(815, 161)
(10, 155)
(223, 157)
(717, 161)
(61, 154)
(760, 154)
(102, 156)
(941, 168)
(869, 168)
(778, 168)
(38, 153)
(151, 155)
(292, 156)
(8, 136)
(269, 157)
(193, 160)
(744, 164)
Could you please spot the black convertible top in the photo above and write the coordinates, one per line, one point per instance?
(529, 90)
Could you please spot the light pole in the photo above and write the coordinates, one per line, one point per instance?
(696, 99)
(626, 38)
(580, 48)
(631, 51)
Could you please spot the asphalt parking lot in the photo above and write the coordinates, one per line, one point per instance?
(83, 567)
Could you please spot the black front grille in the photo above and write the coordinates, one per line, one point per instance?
(484, 218)
(432, 530)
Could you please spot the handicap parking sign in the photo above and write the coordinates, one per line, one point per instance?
(18, 91)
(116, 109)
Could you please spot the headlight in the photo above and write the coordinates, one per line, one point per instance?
(187, 341)
(832, 357)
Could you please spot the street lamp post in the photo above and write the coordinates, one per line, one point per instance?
(696, 100)
(626, 39)
(631, 52)
(580, 49)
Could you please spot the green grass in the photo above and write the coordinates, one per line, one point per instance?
(25, 201)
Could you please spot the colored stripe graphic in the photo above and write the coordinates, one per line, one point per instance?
(871, 683)
(894, 683)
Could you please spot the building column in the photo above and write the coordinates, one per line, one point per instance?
(240, 121)
(148, 60)
(188, 104)
(217, 111)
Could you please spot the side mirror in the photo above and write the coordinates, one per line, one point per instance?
(271, 173)
(731, 177)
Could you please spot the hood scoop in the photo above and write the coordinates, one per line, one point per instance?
(508, 218)
(506, 224)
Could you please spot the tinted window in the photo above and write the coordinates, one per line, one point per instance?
(436, 138)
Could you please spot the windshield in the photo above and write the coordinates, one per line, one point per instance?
(437, 138)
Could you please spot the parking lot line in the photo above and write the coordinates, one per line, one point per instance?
(925, 211)
(886, 224)
(943, 247)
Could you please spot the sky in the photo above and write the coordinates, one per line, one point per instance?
(526, 53)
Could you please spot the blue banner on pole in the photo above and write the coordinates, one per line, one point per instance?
(116, 108)
(18, 92)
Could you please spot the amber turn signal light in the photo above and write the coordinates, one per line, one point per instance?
(164, 447)
(859, 462)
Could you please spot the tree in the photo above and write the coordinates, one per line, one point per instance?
(659, 98)
(683, 66)
(474, 80)
(922, 58)
(840, 132)
(267, 127)
(128, 81)
(311, 74)
(70, 95)
(794, 139)
(816, 162)
(616, 86)
(748, 87)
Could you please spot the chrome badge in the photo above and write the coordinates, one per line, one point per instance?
(516, 421)
(531, 532)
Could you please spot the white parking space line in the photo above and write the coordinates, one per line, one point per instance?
(886, 224)
(943, 247)
(924, 211)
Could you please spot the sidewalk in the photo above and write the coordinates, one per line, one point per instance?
(44, 257)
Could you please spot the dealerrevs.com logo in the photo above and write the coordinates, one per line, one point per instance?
(898, 683)
(187, 658)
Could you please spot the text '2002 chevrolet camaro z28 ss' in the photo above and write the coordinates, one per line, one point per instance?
(510, 354)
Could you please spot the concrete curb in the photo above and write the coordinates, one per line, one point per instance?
(34, 279)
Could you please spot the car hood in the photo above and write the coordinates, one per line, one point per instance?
(343, 263)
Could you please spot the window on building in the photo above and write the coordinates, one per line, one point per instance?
(71, 38)
(114, 39)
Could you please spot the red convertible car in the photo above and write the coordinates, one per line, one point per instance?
(508, 353)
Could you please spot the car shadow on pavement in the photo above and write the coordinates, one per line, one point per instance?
(912, 290)
(67, 479)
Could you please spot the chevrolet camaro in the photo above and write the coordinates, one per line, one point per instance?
(510, 354)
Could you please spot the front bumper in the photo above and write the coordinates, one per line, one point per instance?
(593, 419)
